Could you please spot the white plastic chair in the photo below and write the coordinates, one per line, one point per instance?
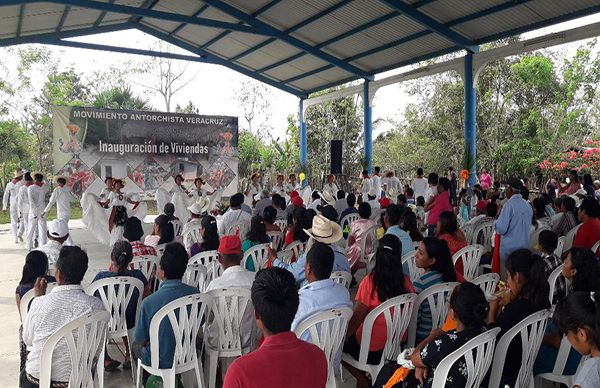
(195, 275)
(276, 238)
(376, 214)
(282, 224)
(408, 261)
(342, 277)
(397, 313)
(160, 249)
(370, 235)
(116, 293)
(483, 235)
(468, 229)
(209, 259)
(185, 316)
(285, 256)
(177, 227)
(297, 247)
(28, 297)
(471, 256)
(239, 228)
(191, 236)
(327, 330)
(437, 296)
(553, 279)
(228, 309)
(487, 282)
(258, 254)
(534, 236)
(531, 331)
(569, 237)
(148, 265)
(477, 354)
(84, 340)
(596, 247)
(558, 371)
(560, 247)
(348, 220)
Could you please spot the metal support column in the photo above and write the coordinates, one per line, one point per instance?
(303, 139)
(470, 117)
(368, 125)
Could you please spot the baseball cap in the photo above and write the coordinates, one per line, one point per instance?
(294, 194)
(230, 245)
(384, 202)
(58, 229)
(297, 201)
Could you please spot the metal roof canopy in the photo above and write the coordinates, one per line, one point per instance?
(299, 46)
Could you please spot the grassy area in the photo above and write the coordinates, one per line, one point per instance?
(76, 212)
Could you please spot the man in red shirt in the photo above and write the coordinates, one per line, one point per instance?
(282, 360)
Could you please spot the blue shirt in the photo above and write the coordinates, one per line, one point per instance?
(320, 296)
(169, 291)
(405, 240)
(513, 225)
(340, 263)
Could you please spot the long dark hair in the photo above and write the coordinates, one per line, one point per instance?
(258, 230)
(409, 224)
(36, 265)
(531, 267)
(388, 278)
(167, 233)
(448, 223)
(587, 270)
(438, 248)
(469, 304)
(539, 208)
(210, 235)
(578, 310)
(122, 254)
(299, 223)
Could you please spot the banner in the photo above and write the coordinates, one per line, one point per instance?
(147, 149)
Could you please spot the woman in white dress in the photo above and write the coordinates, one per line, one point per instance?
(200, 191)
(279, 188)
(108, 181)
(180, 198)
(253, 189)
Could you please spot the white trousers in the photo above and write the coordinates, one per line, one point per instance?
(14, 220)
(23, 223)
(36, 224)
(70, 239)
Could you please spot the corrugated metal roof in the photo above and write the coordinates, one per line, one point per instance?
(300, 46)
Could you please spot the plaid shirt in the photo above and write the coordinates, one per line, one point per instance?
(551, 262)
(140, 249)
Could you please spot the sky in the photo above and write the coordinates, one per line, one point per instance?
(213, 88)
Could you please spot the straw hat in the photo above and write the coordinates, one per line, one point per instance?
(200, 206)
(327, 197)
(324, 230)
(57, 177)
(18, 174)
(34, 173)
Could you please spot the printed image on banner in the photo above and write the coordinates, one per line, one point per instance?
(146, 149)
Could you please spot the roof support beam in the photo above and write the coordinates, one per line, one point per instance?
(63, 17)
(149, 13)
(126, 50)
(432, 25)
(219, 61)
(148, 4)
(270, 30)
(20, 21)
(254, 14)
(293, 28)
(196, 14)
(102, 15)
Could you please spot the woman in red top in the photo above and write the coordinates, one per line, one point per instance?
(588, 233)
(447, 229)
(440, 203)
(295, 231)
(385, 281)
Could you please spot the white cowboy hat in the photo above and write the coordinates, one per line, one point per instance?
(18, 174)
(324, 230)
(200, 206)
(327, 197)
(58, 229)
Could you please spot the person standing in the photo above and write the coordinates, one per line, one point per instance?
(365, 187)
(61, 197)
(419, 184)
(291, 185)
(23, 205)
(485, 180)
(279, 187)
(514, 223)
(453, 185)
(331, 187)
(36, 194)
(376, 183)
(11, 195)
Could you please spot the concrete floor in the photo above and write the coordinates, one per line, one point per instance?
(12, 256)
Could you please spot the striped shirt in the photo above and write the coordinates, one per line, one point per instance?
(421, 283)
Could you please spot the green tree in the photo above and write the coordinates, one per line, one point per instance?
(120, 98)
(15, 149)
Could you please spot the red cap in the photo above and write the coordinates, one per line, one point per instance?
(384, 202)
(230, 245)
(481, 205)
(297, 201)
(294, 194)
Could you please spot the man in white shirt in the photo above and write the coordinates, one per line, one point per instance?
(234, 214)
(291, 185)
(340, 204)
(316, 201)
(48, 313)
(394, 183)
(36, 195)
(234, 276)
(419, 185)
(376, 183)
(331, 187)
(11, 195)
(365, 187)
(23, 205)
(61, 197)
(58, 233)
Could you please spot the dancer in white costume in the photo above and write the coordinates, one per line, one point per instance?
(291, 184)
(279, 187)
(331, 187)
(23, 204)
(106, 191)
(105, 218)
(180, 198)
(36, 195)
(253, 189)
(11, 199)
(61, 197)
